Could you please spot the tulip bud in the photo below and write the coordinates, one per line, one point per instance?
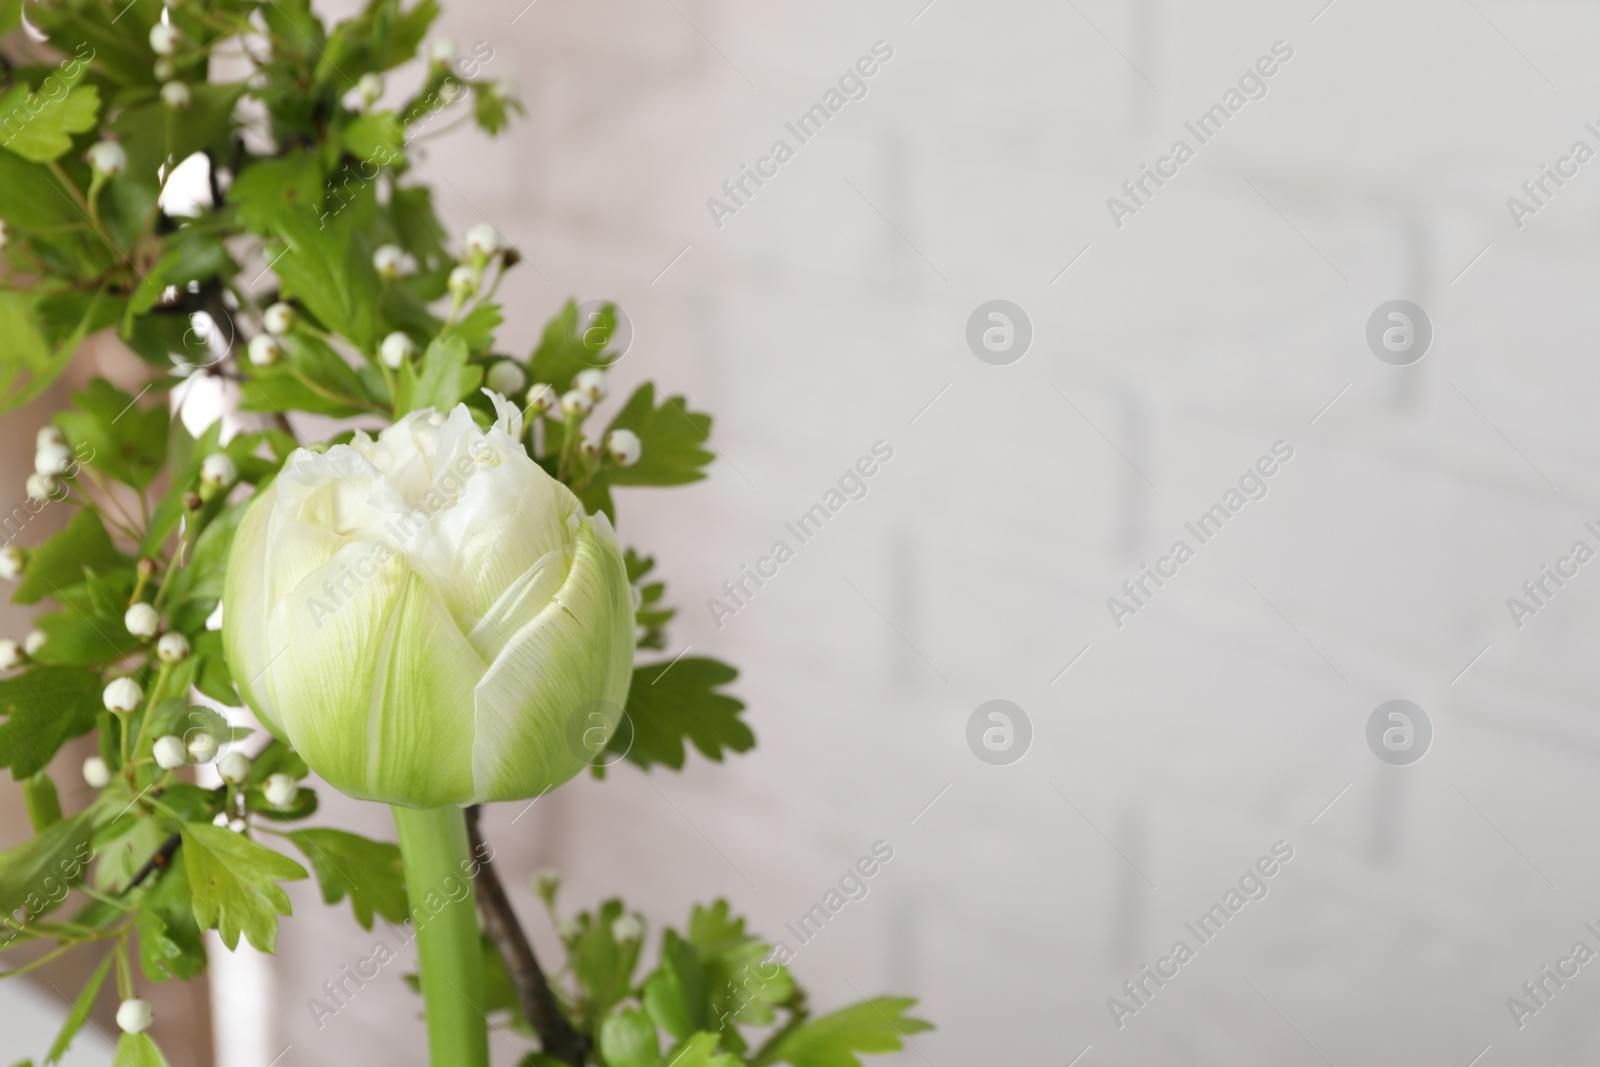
(49, 435)
(134, 1016)
(442, 51)
(175, 95)
(589, 448)
(234, 768)
(500, 651)
(172, 648)
(170, 752)
(388, 260)
(278, 319)
(507, 377)
(202, 747)
(575, 405)
(217, 472)
(42, 487)
(541, 398)
(34, 642)
(264, 350)
(627, 928)
(280, 790)
(96, 773)
(591, 383)
(123, 696)
(10, 654)
(369, 87)
(463, 282)
(624, 447)
(11, 562)
(483, 240)
(396, 349)
(142, 620)
(107, 158)
(52, 459)
(164, 39)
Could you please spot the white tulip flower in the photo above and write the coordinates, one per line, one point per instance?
(123, 696)
(388, 260)
(96, 773)
(483, 240)
(507, 377)
(624, 447)
(575, 404)
(142, 620)
(234, 768)
(202, 747)
(591, 383)
(164, 39)
(10, 654)
(396, 349)
(429, 618)
(134, 1016)
(172, 648)
(34, 642)
(11, 562)
(217, 471)
(279, 318)
(170, 752)
(280, 790)
(42, 487)
(541, 398)
(264, 350)
(108, 158)
(52, 459)
(176, 95)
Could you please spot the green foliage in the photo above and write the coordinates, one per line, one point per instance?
(44, 709)
(366, 871)
(35, 875)
(235, 884)
(669, 703)
(873, 1026)
(80, 1011)
(38, 125)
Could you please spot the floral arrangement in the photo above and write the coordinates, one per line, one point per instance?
(430, 608)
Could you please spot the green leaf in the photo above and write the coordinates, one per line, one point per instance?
(444, 380)
(701, 1051)
(45, 707)
(673, 440)
(190, 256)
(28, 361)
(109, 430)
(369, 872)
(171, 943)
(744, 987)
(327, 267)
(603, 965)
(563, 350)
(31, 197)
(374, 138)
(10, 15)
(671, 702)
(628, 1039)
(59, 563)
(35, 875)
(235, 884)
(272, 188)
(42, 801)
(137, 1050)
(873, 1026)
(675, 992)
(80, 1011)
(38, 125)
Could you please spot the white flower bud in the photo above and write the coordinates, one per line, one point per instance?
(546, 882)
(627, 928)
(388, 260)
(122, 696)
(264, 350)
(278, 319)
(280, 790)
(170, 752)
(49, 435)
(236, 825)
(5, 234)
(10, 654)
(142, 620)
(202, 747)
(234, 768)
(507, 377)
(396, 349)
(43, 487)
(96, 773)
(463, 282)
(589, 448)
(52, 458)
(217, 471)
(108, 158)
(34, 642)
(164, 69)
(11, 562)
(369, 87)
(221, 819)
(442, 51)
(575, 404)
(172, 648)
(541, 398)
(164, 39)
(484, 240)
(591, 383)
(176, 95)
(624, 447)
(505, 90)
(134, 1016)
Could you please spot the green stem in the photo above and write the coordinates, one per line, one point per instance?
(433, 843)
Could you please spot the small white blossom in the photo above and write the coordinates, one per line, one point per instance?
(164, 69)
(591, 383)
(507, 377)
(142, 620)
(484, 240)
(463, 282)
(541, 398)
(134, 1016)
(627, 928)
(164, 39)
(52, 458)
(396, 349)
(170, 752)
(221, 819)
(234, 768)
(264, 350)
(176, 95)
(575, 404)
(589, 448)
(5, 234)
(122, 695)
(202, 747)
(236, 825)
(369, 87)
(34, 642)
(49, 435)
(505, 90)
(217, 471)
(172, 648)
(10, 654)
(11, 562)
(442, 51)
(108, 158)
(96, 773)
(388, 260)
(43, 487)
(624, 447)
(279, 318)
(280, 790)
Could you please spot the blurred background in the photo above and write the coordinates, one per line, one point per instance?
(1174, 343)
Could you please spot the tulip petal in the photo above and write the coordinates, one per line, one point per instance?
(245, 609)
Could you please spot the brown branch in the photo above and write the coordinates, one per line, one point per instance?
(538, 1002)
(155, 863)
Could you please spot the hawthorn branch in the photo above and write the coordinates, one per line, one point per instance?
(534, 995)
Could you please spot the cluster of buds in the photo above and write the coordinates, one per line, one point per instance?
(391, 262)
(588, 388)
(14, 654)
(52, 460)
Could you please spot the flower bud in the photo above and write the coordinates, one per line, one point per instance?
(396, 349)
(11, 562)
(463, 282)
(575, 405)
(176, 95)
(134, 1016)
(280, 790)
(170, 752)
(507, 377)
(52, 458)
(5, 234)
(217, 472)
(388, 261)
(627, 928)
(164, 39)
(442, 51)
(591, 383)
(107, 158)
(624, 447)
(505, 90)
(172, 648)
(220, 819)
(279, 318)
(146, 568)
(164, 69)
(541, 398)
(34, 642)
(142, 620)
(483, 240)
(49, 435)
(123, 696)
(202, 747)
(546, 883)
(369, 87)
(589, 449)
(236, 825)
(10, 654)
(234, 768)
(192, 501)
(42, 487)
(96, 773)
(264, 350)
